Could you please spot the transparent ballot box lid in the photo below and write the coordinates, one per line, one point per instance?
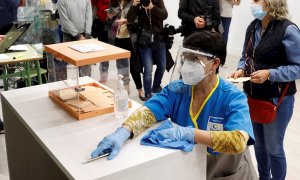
(69, 64)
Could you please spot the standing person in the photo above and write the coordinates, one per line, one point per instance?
(208, 110)
(123, 40)
(99, 24)
(1, 123)
(152, 47)
(56, 16)
(271, 57)
(76, 21)
(198, 15)
(226, 7)
(8, 14)
(100, 30)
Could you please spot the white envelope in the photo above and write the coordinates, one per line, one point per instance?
(238, 80)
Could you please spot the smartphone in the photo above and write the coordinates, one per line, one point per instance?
(108, 11)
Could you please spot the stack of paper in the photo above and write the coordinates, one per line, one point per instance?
(4, 57)
(85, 48)
(19, 47)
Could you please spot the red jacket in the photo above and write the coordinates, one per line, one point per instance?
(101, 5)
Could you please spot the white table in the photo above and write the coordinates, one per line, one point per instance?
(44, 142)
(25, 58)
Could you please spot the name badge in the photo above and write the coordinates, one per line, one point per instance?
(215, 124)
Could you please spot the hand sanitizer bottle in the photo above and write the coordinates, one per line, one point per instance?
(120, 100)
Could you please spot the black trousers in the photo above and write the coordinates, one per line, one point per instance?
(125, 43)
(1, 125)
(99, 31)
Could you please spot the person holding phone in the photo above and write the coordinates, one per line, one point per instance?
(120, 36)
(101, 30)
(99, 23)
(151, 45)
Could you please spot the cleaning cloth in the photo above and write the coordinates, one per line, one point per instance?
(176, 140)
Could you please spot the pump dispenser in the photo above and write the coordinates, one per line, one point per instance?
(120, 100)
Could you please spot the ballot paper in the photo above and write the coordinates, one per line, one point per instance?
(238, 80)
(98, 96)
(4, 57)
(85, 48)
(19, 47)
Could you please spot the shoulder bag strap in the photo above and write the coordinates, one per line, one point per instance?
(249, 42)
(282, 95)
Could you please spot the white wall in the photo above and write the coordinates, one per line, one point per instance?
(241, 19)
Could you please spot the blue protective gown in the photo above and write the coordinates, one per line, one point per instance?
(225, 108)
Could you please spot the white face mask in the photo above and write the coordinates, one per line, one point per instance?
(193, 72)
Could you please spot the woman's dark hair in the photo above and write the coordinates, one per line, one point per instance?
(208, 42)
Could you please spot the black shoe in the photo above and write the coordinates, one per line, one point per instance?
(156, 89)
(148, 96)
(142, 98)
(1, 128)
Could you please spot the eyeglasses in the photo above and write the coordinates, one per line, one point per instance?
(195, 57)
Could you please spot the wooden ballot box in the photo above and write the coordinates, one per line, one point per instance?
(83, 100)
(66, 53)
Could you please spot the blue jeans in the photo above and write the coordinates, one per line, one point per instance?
(268, 145)
(226, 25)
(59, 33)
(122, 67)
(149, 55)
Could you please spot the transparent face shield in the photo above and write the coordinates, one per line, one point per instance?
(190, 63)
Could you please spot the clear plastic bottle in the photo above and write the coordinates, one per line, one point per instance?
(120, 100)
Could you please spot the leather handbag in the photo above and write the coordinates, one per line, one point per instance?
(145, 38)
(262, 111)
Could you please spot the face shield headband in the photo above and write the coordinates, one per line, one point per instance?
(190, 65)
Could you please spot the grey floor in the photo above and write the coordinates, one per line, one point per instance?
(292, 138)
